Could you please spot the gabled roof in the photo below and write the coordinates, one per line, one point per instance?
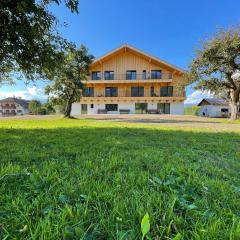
(214, 101)
(129, 48)
(22, 102)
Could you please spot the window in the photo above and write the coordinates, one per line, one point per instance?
(109, 75)
(166, 91)
(19, 111)
(83, 108)
(96, 75)
(156, 74)
(163, 108)
(152, 94)
(144, 75)
(92, 105)
(141, 108)
(111, 92)
(137, 91)
(111, 107)
(88, 92)
(131, 75)
(224, 110)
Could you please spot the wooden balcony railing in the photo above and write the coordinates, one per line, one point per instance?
(8, 106)
(128, 94)
(116, 78)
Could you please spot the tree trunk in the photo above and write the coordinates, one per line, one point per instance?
(234, 111)
(234, 104)
(68, 109)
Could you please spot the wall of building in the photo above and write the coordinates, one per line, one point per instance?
(212, 110)
(175, 108)
(19, 110)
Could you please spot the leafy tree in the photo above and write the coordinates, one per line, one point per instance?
(29, 40)
(66, 89)
(48, 108)
(34, 107)
(217, 67)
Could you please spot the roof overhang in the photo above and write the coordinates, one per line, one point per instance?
(148, 57)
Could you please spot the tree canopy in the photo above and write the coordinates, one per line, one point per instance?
(29, 39)
(68, 83)
(34, 106)
(216, 67)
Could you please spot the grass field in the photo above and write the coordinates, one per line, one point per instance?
(89, 179)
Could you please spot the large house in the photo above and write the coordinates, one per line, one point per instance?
(13, 106)
(128, 80)
(214, 107)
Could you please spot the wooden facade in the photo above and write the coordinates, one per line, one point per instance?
(124, 59)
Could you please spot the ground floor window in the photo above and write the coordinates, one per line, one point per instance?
(163, 108)
(224, 110)
(140, 108)
(111, 107)
(84, 108)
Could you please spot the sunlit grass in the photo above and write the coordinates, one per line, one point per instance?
(83, 179)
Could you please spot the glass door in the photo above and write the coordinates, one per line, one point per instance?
(83, 108)
(163, 108)
(140, 108)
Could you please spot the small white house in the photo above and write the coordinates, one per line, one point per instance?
(213, 107)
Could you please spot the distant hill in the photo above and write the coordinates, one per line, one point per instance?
(186, 105)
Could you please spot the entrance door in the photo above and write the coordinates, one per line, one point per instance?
(83, 108)
(140, 108)
(163, 108)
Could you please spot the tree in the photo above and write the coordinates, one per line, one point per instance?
(67, 86)
(48, 108)
(217, 67)
(29, 40)
(34, 107)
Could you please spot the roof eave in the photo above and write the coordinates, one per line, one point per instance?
(141, 52)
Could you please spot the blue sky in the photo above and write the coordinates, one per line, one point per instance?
(170, 30)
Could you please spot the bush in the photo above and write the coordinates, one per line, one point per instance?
(193, 110)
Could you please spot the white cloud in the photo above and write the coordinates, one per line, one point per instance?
(197, 96)
(29, 94)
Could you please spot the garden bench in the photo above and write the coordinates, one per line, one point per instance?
(124, 111)
(102, 111)
(152, 111)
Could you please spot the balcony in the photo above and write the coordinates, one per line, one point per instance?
(132, 78)
(8, 106)
(125, 96)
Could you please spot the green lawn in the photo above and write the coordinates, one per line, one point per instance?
(83, 179)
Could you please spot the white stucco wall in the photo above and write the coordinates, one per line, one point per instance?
(212, 110)
(76, 109)
(18, 107)
(177, 108)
